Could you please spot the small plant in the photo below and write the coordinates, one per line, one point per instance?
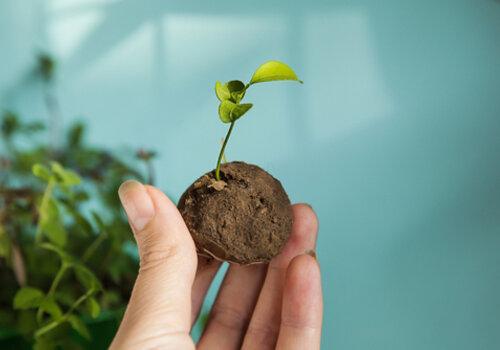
(231, 94)
(239, 212)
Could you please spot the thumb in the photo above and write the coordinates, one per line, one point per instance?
(158, 313)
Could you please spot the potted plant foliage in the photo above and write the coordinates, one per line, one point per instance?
(67, 263)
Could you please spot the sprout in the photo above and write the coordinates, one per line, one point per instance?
(231, 93)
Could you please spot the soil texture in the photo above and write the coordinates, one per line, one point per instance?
(244, 218)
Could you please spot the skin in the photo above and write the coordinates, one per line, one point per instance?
(274, 306)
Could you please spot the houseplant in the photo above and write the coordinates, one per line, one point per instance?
(66, 252)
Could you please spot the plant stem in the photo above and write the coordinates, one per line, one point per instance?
(221, 154)
(53, 288)
(45, 201)
(54, 324)
(93, 246)
(57, 279)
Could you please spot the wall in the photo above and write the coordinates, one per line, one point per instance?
(393, 138)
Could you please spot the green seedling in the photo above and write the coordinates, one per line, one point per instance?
(231, 94)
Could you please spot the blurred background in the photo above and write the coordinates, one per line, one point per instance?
(394, 138)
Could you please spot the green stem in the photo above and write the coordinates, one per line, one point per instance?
(221, 154)
(53, 287)
(57, 279)
(54, 324)
(93, 246)
(45, 201)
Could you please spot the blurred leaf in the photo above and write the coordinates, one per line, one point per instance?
(78, 325)
(10, 124)
(41, 172)
(86, 278)
(110, 298)
(27, 298)
(46, 66)
(66, 177)
(93, 307)
(56, 232)
(51, 224)
(75, 135)
(272, 71)
(51, 307)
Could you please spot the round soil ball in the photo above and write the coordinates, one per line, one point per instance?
(245, 219)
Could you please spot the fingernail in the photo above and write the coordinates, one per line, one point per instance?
(311, 252)
(137, 204)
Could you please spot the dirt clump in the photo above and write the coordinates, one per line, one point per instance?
(244, 218)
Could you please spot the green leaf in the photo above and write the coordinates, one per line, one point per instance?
(56, 233)
(66, 177)
(221, 91)
(240, 110)
(93, 307)
(10, 124)
(75, 135)
(41, 172)
(49, 306)
(27, 298)
(233, 90)
(230, 111)
(225, 109)
(273, 70)
(51, 224)
(236, 89)
(87, 277)
(46, 66)
(78, 325)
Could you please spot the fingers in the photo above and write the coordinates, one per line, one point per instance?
(302, 308)
(264, 326)
(159, 310)
(205, 273)
(233, 307)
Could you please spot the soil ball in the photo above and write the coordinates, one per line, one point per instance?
(244, 218)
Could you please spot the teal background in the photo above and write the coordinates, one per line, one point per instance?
(393, 138)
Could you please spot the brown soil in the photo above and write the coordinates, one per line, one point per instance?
(246, 218)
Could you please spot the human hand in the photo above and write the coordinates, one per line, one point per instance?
(274, 306)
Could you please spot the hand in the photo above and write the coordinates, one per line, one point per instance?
(258, 306)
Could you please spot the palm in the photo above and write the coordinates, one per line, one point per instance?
(278, 305)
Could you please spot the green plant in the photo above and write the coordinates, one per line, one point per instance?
(66, 251)
(232, 92)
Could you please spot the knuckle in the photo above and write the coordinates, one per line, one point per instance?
(264, 335)
(153, 257)
(229, 318)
